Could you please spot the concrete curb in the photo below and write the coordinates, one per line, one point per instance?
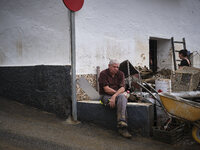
(140, 115)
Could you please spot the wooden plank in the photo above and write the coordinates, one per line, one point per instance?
(184, 44)
(178, 42)
(88, 89)
(173, 51)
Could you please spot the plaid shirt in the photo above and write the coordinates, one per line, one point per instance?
(105, 79)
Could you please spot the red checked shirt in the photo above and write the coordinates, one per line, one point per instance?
(105, 79)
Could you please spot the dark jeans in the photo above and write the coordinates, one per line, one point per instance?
(121, 103)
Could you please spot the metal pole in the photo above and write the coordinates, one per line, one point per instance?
(73, 66)
(98, 73)
(129, 78)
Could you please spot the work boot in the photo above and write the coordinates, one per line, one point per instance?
(122, 124)
(124, 133)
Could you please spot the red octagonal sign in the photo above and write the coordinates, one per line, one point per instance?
(74, 5)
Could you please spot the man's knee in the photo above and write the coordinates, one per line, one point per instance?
(121, 97)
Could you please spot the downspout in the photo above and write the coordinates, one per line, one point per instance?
(73, 65)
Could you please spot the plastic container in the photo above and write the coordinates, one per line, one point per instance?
(163, 85)
(127, 94)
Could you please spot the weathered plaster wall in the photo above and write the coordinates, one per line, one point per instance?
(34, 33)
(164, 54)
(121, 29)
(35, 54)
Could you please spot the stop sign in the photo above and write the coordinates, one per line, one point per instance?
(74, 5)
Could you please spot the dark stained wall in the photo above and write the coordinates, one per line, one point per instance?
(44, 87)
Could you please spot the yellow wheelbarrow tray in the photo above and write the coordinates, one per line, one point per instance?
(183, 109)
(180, 108)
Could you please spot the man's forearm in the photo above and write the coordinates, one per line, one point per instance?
(109, 90)
(119, 91)
(113, 98)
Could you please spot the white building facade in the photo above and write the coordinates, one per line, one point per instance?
(37, 33)
(122, 29)
(34, 33)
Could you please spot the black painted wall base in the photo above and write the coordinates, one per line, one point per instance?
(44, 87)
(140, 116)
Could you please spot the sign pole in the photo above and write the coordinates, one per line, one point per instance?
(73, 6)
(73, 65)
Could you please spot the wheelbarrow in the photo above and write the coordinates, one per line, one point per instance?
(182, 109)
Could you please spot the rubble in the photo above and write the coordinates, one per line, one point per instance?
(81, 95)
(145, 72)
(148, 76)
(134, 97)
(185, 79)
(165, 73)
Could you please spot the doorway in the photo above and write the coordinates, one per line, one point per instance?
(160, 56)
(153, 55)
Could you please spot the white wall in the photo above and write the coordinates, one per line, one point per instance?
(121, 29)
(34, 32)
(164, 55)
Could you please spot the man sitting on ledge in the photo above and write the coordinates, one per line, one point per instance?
(111, 84)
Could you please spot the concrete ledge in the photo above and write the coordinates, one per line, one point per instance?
(140, 115)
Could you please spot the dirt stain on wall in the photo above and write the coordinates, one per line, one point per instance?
(19, 47)
(2, 57)
(142, 49)
(141, 46)
(113, 49)
(143, 56)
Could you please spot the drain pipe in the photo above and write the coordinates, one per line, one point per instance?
(73, 65)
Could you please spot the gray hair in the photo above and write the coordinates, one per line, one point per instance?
(113, 61)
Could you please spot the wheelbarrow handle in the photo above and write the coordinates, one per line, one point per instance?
(142, 86)
(150, 87)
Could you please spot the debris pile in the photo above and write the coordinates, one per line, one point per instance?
(140, 87)
(149, 76)
(185, 79)
(145, 72)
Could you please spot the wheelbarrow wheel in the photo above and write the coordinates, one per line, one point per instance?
(196, 133)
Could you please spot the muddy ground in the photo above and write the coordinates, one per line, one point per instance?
(23, 127)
